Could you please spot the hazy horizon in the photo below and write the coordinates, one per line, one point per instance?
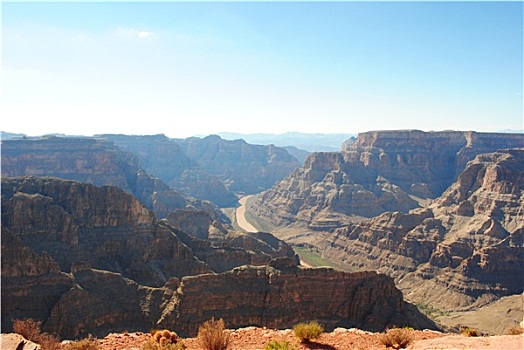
(185, 69)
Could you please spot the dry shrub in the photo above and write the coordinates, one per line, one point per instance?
(83, 344)
(164, 336)
(275, 345)
(514, 330)
(30, 329)
(154, 345)
(307, 331)
(470, 332)
(396, 338)
(212, 335)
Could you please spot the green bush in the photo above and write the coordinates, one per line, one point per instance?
(396, 338)
(212, 335)
(307, 331)
(275, 345)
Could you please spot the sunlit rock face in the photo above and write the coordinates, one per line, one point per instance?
(379, 171)
(464, 250)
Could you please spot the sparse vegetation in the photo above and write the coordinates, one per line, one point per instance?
(164, 336)
(31, 330)
(212, 335)
(276, 345)
(431, 312)
(250, 218)
(154, 345)
(470, 332)
(396, 338)
(514, 330)
(313, 257)
(307, 331)
(88, 343)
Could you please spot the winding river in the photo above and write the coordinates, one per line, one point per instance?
(240, 214)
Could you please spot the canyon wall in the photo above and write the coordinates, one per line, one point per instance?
(98, 161)
(241, 166)
(280, 295)
(379, 171)
(464, 250)
(209, 168)
(92, 260)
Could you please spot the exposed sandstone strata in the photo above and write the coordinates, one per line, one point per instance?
(210, 168)
(164, 158)
(242, 167)
(90, 260)
(464, 250)
(278, 295)
(379, 171)
(96, 161)
(72, 221)
(84, 258)
(281, 295)
(200, 184)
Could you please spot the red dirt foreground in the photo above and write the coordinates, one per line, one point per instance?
(252, 338)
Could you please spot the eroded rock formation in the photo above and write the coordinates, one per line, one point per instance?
(92, 260)
(242, 167)
(97, 161)
(210, 168)
(379, 171)
(464, 250)
(164, 158)
(281, 295)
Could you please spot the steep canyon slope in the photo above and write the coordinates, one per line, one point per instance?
(91, 160)
(98, 161)
(379, 171)
(210, 168)
(92, 260)
(464, 250)
(362, 207)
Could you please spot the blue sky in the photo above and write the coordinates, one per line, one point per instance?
(198, 68)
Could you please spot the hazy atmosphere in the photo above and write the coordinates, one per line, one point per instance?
(199, 68)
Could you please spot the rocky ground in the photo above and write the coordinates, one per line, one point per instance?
(252, 338)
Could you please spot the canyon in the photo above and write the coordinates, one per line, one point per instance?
(434, 218)
(89, 260)
(442, 213)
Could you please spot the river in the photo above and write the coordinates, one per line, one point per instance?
(240, 214)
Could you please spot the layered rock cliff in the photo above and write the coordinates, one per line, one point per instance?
(99, 162)
(379, 171)
(281, 295)
(164, 158)
(462, 251)
(209, 168)
(242, 167)
(92, 260)
(266, 296)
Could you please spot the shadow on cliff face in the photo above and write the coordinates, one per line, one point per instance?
(92, 260)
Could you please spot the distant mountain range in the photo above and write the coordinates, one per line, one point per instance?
(309, 142)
